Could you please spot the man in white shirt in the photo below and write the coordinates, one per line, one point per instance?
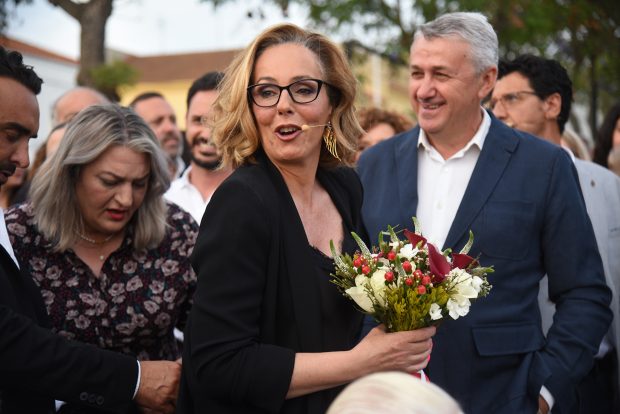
(159, 115)
(193, 190)
(462, 169)
(534, 95)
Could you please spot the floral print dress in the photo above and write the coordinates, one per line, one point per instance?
(133, 306)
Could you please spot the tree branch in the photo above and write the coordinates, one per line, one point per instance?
(75, 10)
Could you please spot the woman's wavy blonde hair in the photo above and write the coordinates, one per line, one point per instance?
(234, 128)
(88, 135)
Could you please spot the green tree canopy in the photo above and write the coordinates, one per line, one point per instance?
(584, 35)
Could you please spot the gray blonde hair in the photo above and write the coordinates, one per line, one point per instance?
(393, 392)
(234, 130)
(473, 28)
(88, 135)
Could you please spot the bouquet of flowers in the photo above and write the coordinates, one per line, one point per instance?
(410, 284)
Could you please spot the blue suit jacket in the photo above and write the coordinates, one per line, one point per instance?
(524, 205)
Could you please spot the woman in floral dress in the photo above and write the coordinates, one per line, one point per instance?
(110, 256)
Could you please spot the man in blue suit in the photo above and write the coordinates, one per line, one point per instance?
(462, 169)
(545, 114)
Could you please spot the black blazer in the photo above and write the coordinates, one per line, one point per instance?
(37, 366)
(258, 300)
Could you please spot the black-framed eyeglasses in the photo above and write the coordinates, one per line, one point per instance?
(302, 92)
(509, 99)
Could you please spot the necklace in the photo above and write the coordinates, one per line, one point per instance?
(93, 241)
(96, 243)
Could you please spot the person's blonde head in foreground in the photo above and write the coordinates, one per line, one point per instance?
(393, 393)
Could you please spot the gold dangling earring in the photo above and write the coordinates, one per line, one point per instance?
(330, 140)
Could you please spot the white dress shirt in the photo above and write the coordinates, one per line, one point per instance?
(183, 193)
(442, 183)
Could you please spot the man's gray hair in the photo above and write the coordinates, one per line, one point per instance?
(473, 28)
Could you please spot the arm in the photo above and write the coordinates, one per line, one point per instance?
(228, 361)
(36, 360)
(182, 241)
(576, 285)
(378, 351)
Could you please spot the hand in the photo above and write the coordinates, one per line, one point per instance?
(400, 351)
(159, 385)
(543, 407)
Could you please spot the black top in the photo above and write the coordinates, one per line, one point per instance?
(262, 296)
(340, 319)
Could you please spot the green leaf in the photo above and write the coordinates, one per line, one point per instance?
(469, 243)
(416, 225)
(363, 248)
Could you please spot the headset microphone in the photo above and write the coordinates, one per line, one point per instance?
(305, 127)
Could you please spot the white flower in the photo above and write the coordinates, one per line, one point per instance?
(463, 283)
(435, 312)
(476, 283)
(408, 251)
(458, 306)
(360, 296)
(377, 283)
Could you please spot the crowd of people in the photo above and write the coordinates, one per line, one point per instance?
(146, 269)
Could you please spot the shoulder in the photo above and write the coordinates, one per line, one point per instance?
(176, 186)
(595, 175)
(344, 177)
(404, 142)
(181, 226)
(524, 143)
(19, 212)
(595, 170)
(529, 154)
(20, 222)
(342, 182)
(176, 216)
(249, 184)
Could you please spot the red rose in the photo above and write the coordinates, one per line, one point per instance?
(426, 280)
(365, 269)
(409, 281)
(391, 255)
(389, 276)
(421, 289)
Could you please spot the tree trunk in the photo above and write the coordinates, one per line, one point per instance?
(92, 38)
(92, 16)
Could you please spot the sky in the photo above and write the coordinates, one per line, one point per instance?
(151, 27)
